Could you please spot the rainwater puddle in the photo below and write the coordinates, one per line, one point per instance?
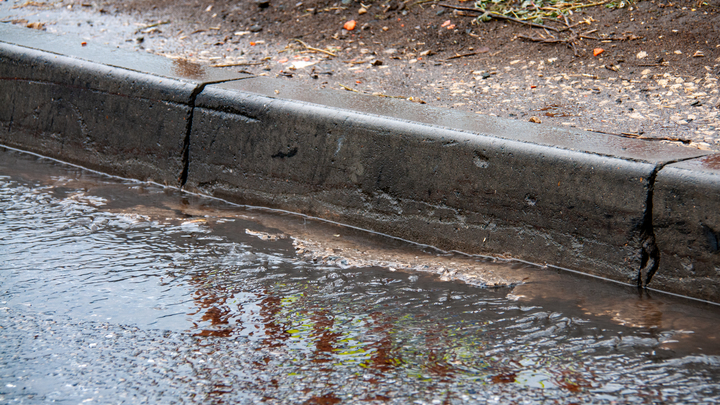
(116, 291)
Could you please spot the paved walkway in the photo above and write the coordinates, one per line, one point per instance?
(632, 102)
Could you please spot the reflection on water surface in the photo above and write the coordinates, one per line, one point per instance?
(119, 291)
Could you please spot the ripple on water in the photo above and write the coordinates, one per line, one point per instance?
(127, 292)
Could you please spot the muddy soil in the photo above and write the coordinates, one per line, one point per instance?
(655, 78)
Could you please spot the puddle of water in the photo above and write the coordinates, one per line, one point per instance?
(120, 291)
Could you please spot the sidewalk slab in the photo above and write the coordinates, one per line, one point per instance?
(117, 111)
(451, 179)
(687, 227)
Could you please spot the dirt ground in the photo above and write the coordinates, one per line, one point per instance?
(656, 77)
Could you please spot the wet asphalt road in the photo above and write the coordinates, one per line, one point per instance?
(115, 291)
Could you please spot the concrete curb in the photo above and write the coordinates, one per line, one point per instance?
(589, 202)
(686, 221)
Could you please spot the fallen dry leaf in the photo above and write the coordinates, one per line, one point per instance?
(598, 51)
(28, 4)
(36, 25)
(350, 25)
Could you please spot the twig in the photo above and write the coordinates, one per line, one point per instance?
(585, 35)
(457, 56)
(402, 5)
(347, 88)
(498, 16)
(567, 23)
(157, 24)
(419, 2)
(641, 137)
(413, 99)
(310, 48)
(462, 55)
(239, 64)
(600, 3)
(567, 41)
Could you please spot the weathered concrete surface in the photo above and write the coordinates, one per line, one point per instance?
(687, 227)
(480, 188)
(103, 115)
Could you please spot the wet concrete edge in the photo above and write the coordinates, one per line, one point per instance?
(687, 227)
(644, 256)
(58, 91)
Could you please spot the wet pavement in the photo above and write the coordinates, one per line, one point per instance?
(641, 100)
(118, 291)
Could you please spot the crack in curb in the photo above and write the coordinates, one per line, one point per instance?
(650, 255)
(182, 179)
(185, 153)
